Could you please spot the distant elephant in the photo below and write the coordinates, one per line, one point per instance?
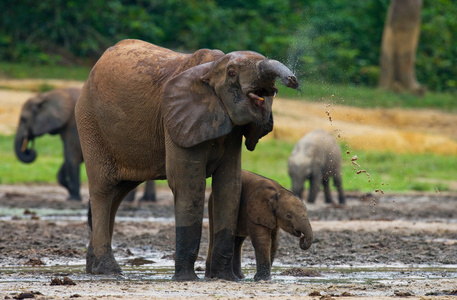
(53, 112)
(316, 157)
(265, 207)
(147, 112)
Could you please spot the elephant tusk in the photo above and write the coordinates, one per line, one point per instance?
(255, 97)
(24, 145)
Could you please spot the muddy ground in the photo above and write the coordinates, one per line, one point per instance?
(408, 240)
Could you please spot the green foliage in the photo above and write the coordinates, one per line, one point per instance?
(25, 70)
(331, 41)
(437, 53)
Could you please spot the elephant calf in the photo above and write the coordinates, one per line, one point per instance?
(265, 207)
(316, 157)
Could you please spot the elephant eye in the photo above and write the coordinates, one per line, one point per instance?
(231, 73)
(289, 216)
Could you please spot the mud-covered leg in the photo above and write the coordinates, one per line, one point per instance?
(226, 189)
(274, 244)
(261, 240)
(187, 180)
(239, 240)
(103, 205)
(210, 238)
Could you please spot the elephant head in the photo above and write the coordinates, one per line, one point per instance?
(237, 89)
(271, 207)
(44, 113)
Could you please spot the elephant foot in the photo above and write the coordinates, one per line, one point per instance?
(74, 198)
(259, 277)
(106, 264)
(239, 275)
(185, 276)
(148, 198)
(229, 276)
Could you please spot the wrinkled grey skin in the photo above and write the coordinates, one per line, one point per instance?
(147, 113)
(265, 207)
(317, 158)
(53, 112)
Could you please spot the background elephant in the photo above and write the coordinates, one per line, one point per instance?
(265, 206)
(147, 112)
(316, 157)
(53, 112)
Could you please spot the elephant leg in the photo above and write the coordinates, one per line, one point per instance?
(274, 244)
(239, 240)
(62, 176)
(188, 216)
(339, 185)
(71, 166)
(261, 240)
(188, 189)
(211, 232)
(130, 196)
(73, 173)
(149, 191)
(104, 202)
(314, 185)
(298, 186)
(226, 188)
(327, 193)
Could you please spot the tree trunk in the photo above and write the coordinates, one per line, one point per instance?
(399, 45)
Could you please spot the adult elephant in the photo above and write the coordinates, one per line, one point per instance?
(53, 112)
(147, 112)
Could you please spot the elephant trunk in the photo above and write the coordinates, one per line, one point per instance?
(23, 153)
(307, 235)
(273, 68)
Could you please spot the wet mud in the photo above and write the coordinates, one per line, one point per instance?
(375, 246)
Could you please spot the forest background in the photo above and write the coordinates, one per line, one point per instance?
(329, 41)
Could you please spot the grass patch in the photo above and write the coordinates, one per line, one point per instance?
(30, 71)
(43, 170)
(387, 171)
(366, 97)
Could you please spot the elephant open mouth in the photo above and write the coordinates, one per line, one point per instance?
(258, 96)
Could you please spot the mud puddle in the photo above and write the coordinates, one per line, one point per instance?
(388, 278)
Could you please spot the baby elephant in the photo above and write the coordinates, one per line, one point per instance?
(265, 206)
(316, 157)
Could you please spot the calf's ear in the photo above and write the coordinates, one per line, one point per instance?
(260, 210)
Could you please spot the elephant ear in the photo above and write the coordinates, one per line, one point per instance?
(52, 113)
(191, 110)
(253, 132)
(260, 207)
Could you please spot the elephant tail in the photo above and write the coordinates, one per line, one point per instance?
(89, 216)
